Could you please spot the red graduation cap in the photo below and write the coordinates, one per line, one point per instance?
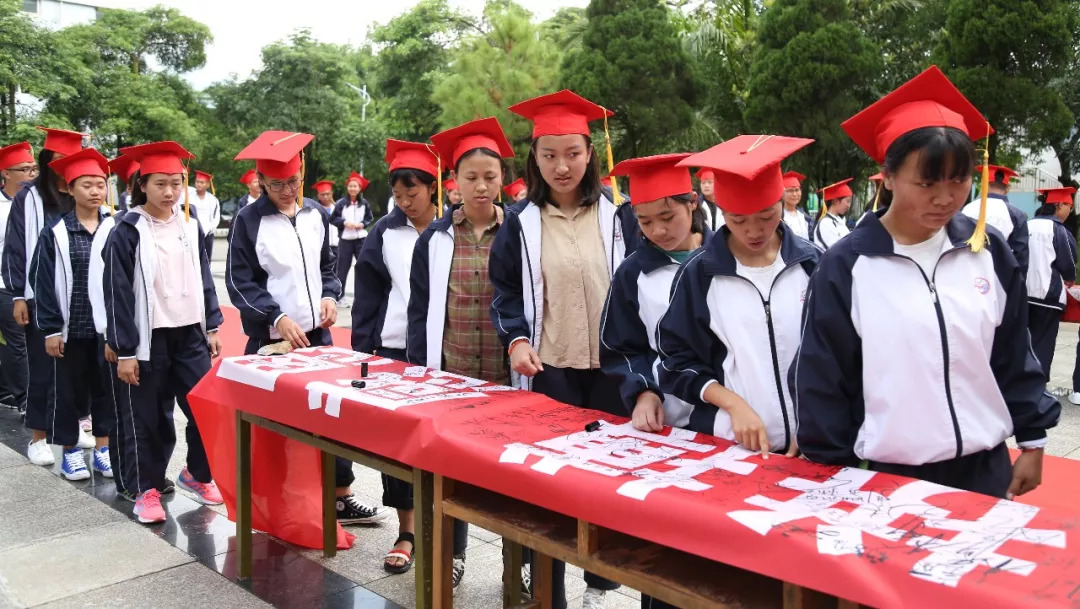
(15, 154)
(323, 186)
(514, 188)
(248, 176)
(411, 155)
(793, 179)
(606, 181)
(86, 162)
(62, 141)
(705, 174)
(748, 177)
(276, 153)
(877, 177)
(483, 133)
(1007, 173)
(124, 167)
(562, 113)
(839, 190)
(450, 185)
(202, 175)
(1058, 195)
(158, 157)
(928, 100)
(359, 179)
(654, 177)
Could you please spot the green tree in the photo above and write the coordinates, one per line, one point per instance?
(905, 32)
(565, 28)
(632, 62)
(813, 70)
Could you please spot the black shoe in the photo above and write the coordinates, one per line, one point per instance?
(126, 495)
(458, 570)
(351, 511)
(167, 487)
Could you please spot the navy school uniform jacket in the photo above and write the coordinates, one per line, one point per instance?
(130, 265)
(720, 327)
(636, 301)
(517, 310)
(1052, 251)
(338, 220)
(25, 223)
(53, 279)
(379, 314)
(959, 373)
(278, 266)
(1009, 219)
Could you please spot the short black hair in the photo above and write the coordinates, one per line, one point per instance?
(943, 149)
(138, 196)
(410, 178)
(697, 217)
(483, 152)
(52, 200)
(540, 191)
(1046, 209)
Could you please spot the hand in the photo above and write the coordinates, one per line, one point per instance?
(290, 331)
(1027, 473)
(21, 312)
(1074, 291)
(350, 225)
(748, 428)
(793, 450)
(215, 345)
(524, 360)
(648, 413)
(127, 370)
(329, 313)
(110, 355)
(54, 346)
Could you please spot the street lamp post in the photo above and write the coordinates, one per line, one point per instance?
(362, 92)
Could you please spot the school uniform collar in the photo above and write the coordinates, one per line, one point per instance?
(457, 216)
(265, 207)
(994, 195)
(71, 222)
(871, 239)
(396, 218)
(718, 259)
(652, 258)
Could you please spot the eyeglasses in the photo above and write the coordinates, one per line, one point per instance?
(293, 184)
(30, 169)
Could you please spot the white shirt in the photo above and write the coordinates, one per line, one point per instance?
(209, 210)
(796, 221)
(925, 254)
(829, 230)
(334, 238)
(761, 276)
(354, 213)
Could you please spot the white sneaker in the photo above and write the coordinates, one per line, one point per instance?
(1074, 398)
(593, 599)
(86, 440)
(40, 453)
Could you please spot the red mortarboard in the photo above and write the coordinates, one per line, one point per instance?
(654, 177)
(450, 185)
(1007, 174)
(562, 113)
(705, 174)
(411, 155)
(15, 154)
(355, 177)
(877, 177)
(1058, 195)
(323, 186)
(202, 175)
(124, 167)
(62, 141)
(835, 191)
(793, 179)
(606, 181)
(276, 153)
(515, 187)
(158, 157)
(748, 177)
(86, 162)
(248, 176)
(482, 133)
(928, 100)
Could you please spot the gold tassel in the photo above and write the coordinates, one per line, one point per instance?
(824, 209)
(611, 163)
(978, 238)
(877, 195)
(212, 191)
(187, 199)
(109, 193)
(300, 191)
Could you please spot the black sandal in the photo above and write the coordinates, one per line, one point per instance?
(407, 555)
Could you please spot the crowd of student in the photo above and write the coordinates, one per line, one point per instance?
(915, 343)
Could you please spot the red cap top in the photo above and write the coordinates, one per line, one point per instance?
(877, 177)
(1006, 173)
(411, 155)
(62, 141)
(606, 181)
(450, 185)
(1058, 195)
(16, 154)
(86, 162)
(158, 157)
(514, 188)
(248, 176)
(483, 133)
(748, 177)
(562, 113)
(655, 177)
(202, 175)
(793, 179)
(124, 167)
(276, 153)
(928, 100)
(705, 174)
(323, 186)
(838, 190)
(359, 179)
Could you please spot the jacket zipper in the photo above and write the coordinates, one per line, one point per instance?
(303, 261)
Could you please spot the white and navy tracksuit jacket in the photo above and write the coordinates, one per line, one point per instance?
(1052, 257)
(714, 216)
(280, 265)
(720, 328)
(97, 269)
(804, 229)
(829, 230)
(55, 279)
(25, 222)
(130, 265)
(1007, 218)
(636, 301)
(904, 367)
(517, 310)
(344, 212)
(380, 318)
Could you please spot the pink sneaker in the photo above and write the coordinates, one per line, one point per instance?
(206, 493)
(148, 507)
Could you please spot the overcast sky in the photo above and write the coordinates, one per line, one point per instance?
(242, 27)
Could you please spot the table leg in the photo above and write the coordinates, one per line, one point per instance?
(511, 573)
(243, 496)
(443, 550)
(423, 496)
(329, 505)
(542, 580)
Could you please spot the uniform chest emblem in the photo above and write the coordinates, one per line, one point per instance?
(982, 284)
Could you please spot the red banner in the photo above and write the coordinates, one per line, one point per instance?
(877, 539)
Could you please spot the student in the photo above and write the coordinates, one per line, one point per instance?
(796, 219)
(714, 219)
(453, 193)
(565, 234)
(352, 215)
(325, 191)
(17, 167)
(280, 273)
(1003, 215)
(162, 320)
(124, 168)
(516, 190)
(835, 203)
(931, 297)
(37, 205)
(209, 209)
(61, 286)
(880, 202)
(449, 314)
(1052, 248)
(251, 180)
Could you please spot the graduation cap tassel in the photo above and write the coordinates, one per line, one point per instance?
(300, 191)
(824, 208)
(212, 191)
(438, 188)
(978, 238)
(109, 193)
(611, 162)
(877, 196)
(187, 199)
